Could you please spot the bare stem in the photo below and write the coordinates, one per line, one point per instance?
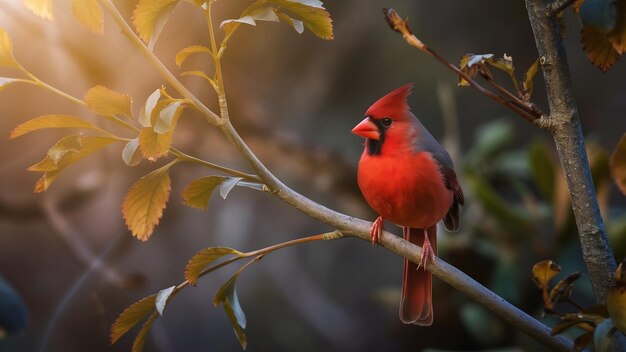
(217, 59)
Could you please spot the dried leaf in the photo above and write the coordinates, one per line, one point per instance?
(186, 52)
(528, 79)
(144, 203)
(582, 341)
(563, 288)
(472, 64)
(131, 154)
(150, 17)
(107, 102)
(42, 8)
(51, 121)
(6, 50)
(618, 164)
(162, 298)
(140, 339)
(89, 14)
(197, 193)
(202, 259)
(131, 316)
(544, 271)
(599, 49)
(227, 297)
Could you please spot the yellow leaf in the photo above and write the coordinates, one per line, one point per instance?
(144, 203)
(168, 116)
(131, 316)
(154, 145)
(150, 17)
(312, 13)
(104, 101)
(89, 14)
(599, 49)
(143, 333)
(544, 271)
(6, 50)
(65, 152)
(198, 74)
(41, 8)
(131, 154)
(184, 53)
(202, 259)
(197, 193)
(51, 121)
(296, 24)
(528, 78)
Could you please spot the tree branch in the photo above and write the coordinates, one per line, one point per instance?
(570, 145)
(557, 6)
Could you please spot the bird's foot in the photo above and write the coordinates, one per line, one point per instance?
(427, 253)
(377, 230)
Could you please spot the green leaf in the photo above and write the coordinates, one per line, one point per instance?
(542, 169)
(107, 102)
(131, 316)
(131, 154)
(186, 52)
(227, 297)
(42, 8)
(144, 203)
(228, 186)
(64, 153)
(140, 339)
(168, 116)
(162, 298)
(602, 335)
(202, 259)
(150, 17)
(146, 112)
(6, 50)
(198, 192)
(51, 121)
(89, 14)
(618, 164)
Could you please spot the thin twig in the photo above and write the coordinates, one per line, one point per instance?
(557, 6)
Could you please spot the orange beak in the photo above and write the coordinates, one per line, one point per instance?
(367, 129)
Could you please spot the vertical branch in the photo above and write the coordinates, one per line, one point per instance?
(566, 131)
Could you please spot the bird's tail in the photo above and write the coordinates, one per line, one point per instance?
(416, 306)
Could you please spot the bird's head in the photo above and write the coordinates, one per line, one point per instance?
(388, 122)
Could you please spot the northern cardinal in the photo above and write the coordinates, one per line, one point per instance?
(408, 179)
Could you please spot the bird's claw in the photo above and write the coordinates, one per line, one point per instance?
(427, 253)
(377, 230)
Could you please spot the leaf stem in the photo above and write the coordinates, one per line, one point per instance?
(210, 165)
(217, 59)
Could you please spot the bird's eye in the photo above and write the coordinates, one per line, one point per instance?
(387, 122)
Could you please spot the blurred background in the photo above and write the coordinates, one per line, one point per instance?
(294, 98)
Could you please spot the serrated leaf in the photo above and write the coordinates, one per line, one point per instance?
(150, 17)
(599, 49)
(89, 13)
(311, 13)
(140, 339)
(42, 8)
(186, 52)
(198, 74)
(146, 112)
(528, 78)
(131, 316)
(602, 335)
(51, 121)
(227, 297)
(202, 259)
(154, 145)
(131, 154)
(228, 185)
(250, 16)
(162, 298)
(104, 101)
(198, 192)
(168, 116)
(64, 153)
(144, 203)
(543, 272)
(618, 164)
(6, 50)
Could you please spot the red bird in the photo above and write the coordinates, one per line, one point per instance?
(408, 179)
